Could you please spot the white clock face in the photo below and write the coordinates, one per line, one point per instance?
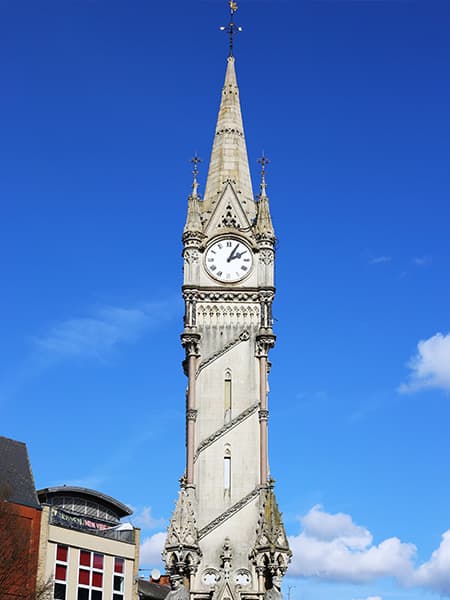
(242, 577)
(228, 260)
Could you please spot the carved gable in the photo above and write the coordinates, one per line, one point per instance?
(227, 214)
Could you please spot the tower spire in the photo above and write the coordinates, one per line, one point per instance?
(229, 160)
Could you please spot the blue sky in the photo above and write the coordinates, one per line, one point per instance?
(103, 105)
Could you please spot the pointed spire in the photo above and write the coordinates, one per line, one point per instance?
(229, 161)
(193, 219)
(264, 227)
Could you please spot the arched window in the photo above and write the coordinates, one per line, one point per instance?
(227, 470)
(227, 396)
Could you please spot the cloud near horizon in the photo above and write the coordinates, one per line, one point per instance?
(430, 367)
(331, 547)
(97, 335)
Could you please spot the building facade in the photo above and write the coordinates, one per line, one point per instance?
(84, 549)
(20, 519)
(226, 536)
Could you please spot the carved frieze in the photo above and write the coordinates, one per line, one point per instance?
(227, 314)
(190, 341)
(191, 256)
(266, 256)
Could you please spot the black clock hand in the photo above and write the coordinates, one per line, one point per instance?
(232, 255)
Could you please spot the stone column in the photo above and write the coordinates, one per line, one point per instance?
(190, 344)
(264, 342)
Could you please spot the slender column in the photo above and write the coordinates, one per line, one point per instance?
(190, 344)
(263, 416)
(264, 342)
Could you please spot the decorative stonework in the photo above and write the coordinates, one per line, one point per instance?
(191, 256)
(228, 513)
(191, 414)
(190, 341)
(181, 551)
(226, 428)
(231, 314)
(242, 337)
(263, 415)
(271, 553)
(264, 343)
(266, 257)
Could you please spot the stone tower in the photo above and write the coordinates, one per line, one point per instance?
(226, 538)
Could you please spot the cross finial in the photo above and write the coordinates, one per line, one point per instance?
(231, 28)
(195, 160)
(263, 161)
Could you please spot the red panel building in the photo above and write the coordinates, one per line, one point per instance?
(20, 520)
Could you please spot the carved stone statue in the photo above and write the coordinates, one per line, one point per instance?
(178, 591)
(274, 593)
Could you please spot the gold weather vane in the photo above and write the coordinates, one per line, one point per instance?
(231, 28)
(263, 161)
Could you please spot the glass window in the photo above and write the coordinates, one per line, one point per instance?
(118, 565)
(83, 577)
(118, 583)
(96, 595)
(61, 572)
(85, 558)
(61, 553)
(83, 594)
(97, 579)
(98, 561)
(59, 591)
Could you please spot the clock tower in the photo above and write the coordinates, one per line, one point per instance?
(226, 537)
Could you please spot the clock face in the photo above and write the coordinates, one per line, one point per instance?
(228, 260)
(242, 577)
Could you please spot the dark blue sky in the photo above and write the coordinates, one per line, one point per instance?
(102, 106)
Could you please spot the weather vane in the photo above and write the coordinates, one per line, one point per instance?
(231, 28)
(263, 161)
(195, 160)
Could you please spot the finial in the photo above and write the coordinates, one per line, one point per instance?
(195, 160)
(231, 28)
(263, 161)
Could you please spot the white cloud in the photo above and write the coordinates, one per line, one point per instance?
(372, 598)
(333, 548)
(377, 260)
(97, 335)
(151, 549)
(422, 261)
(430, 367)
(325, 527)
(435, 573)
(146, 520)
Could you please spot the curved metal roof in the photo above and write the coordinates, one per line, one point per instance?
(65, 490)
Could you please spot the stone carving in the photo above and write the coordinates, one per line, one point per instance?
(191, 414)
(242, 337)
(223, 430)
(271, 551)
(263, 415)
(228, 513)
(266, 257)
(264, 343)
(191, 256)
(229, 219)
(190, 341)
(228, 313)
(226, 558)
(178, 591)
(181, 551)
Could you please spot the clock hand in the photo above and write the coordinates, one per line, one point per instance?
(232, 255)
